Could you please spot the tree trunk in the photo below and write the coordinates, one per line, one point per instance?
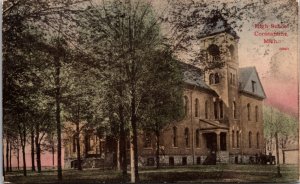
(53, 153)
(122, 143)
(119, 159)
(134, 137)
(32, 150)
(18, 157)
(57, 116)
(3, 161)
(283, 156)
(38, 157)
(38, 148)
(24, 160)
(78, 145)
(10, 165)
(132, 174)
(277, 155)
(7, 154)
(157, 148)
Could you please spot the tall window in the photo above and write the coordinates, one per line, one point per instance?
(206, 109)
(197, 138)
(221, 109)
(231, 50)
(237, 139)
(257, 139)
(233, 135)
(234, 109)
(74, 143)
(249, 111)
(253, 86)
(88, 142)
(216, 110)
(187, 137)
(174, 136)
(231, 80)
(250, 139)
(256, 113)
(186, 105)
(196, 107)
(217, 78)
(214, 52)
(147, 141)
(211, 78)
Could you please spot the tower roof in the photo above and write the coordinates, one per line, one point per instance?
(215, 24)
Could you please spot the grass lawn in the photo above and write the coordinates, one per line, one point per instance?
(199, 173)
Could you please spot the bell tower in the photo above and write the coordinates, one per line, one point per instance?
(219, 46)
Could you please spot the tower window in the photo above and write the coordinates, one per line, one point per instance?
(231, 50)
(217, 78)
(214, 51)
(211, 78)
(234, 109)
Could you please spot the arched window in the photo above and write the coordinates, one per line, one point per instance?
(231, 50)
(214, 51)
(196, 107)
(221, 109)
(249, 111)
(175, 136)
(216, 110)
(237, 139)
(217, 78)
(211, 78)
(187, 137)
(257, 139)
(250, 139)
(256, 113)
(197, 138)
(206, 109)
(234, 109)
(186, 105)
(233, 135)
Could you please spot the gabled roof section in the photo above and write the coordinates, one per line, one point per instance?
(248, 77)
(216, 24)
(193, 76)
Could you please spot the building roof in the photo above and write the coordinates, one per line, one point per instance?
(248, 76)
(193, 76)
(216, 24)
